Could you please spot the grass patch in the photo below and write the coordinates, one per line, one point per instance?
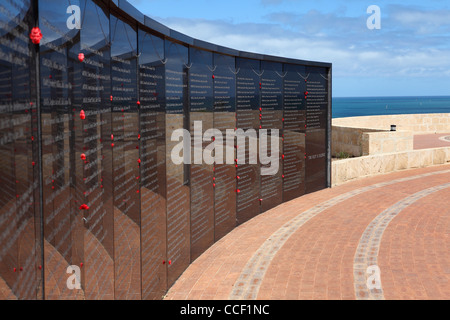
(343, 155)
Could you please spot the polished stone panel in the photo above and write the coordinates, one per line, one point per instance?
(294, 127)
(248, 102)
(271, 118)
(153, 165)
(20, 249)
(316, 132)
(96, 171)
(126, 159)
(64, 139)
(202, 184)
(224, 119)
(178, 175)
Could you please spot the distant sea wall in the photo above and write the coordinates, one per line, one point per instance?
(417, 123)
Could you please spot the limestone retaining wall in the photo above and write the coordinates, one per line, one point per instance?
(387, 142)
(359, 142)
(349, 140)
(355, 168)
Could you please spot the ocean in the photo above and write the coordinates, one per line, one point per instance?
(353, 107)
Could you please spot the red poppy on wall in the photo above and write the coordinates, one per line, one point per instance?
(36, 35)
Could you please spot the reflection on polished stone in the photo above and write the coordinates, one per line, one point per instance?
(86, 168)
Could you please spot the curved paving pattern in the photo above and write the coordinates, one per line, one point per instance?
(305, 249)
(415, 249)
(369, 244)
(254, 271)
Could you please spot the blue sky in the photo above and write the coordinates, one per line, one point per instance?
(408, 56)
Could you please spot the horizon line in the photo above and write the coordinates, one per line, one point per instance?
(400, 96)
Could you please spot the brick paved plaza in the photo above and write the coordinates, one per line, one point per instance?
(426, 141)
(319, 246)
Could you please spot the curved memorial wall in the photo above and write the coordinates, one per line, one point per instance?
(98, 106)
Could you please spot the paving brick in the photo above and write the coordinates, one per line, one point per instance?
(426, 141)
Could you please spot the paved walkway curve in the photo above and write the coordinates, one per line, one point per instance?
(305, 249)
(414, 253)
(257, 266)
(369, 244)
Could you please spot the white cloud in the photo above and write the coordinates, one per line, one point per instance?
(422, 22)
(357, 53)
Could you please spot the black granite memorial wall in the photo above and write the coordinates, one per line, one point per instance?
(128, 149)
